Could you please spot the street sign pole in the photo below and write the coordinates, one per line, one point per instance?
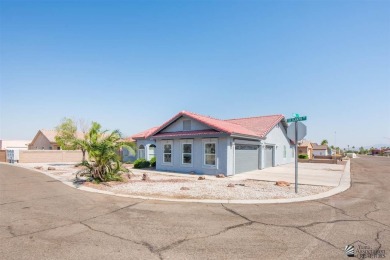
(296, 157)
(293, 135)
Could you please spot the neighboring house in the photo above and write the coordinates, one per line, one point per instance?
(305, 147)
(128, 155)
(320, 150)
(14, 144)
(189, 142)
(45, 140)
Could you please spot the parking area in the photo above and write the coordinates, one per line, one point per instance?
(308, 173)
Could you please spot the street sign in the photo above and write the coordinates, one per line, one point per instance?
(296, 119)
(302, 131)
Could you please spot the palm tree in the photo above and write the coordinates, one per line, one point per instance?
(102, 148)
(324, 142)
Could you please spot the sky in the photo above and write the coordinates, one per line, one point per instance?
(132, 65)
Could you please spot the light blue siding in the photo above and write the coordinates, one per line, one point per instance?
(197, 157)
(278, 138)
(177, 126)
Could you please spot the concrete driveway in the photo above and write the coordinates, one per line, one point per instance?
(308, 173)
(41, 218)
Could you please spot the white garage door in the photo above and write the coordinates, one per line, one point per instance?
(246, 158)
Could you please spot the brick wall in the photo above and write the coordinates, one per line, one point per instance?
(43, 156)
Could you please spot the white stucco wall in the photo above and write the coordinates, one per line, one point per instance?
(320, 152)
(14, 144)
(146, 143)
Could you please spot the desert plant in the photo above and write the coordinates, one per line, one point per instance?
(141, 163)
(303, 156)
(153, 162)
(102, 148)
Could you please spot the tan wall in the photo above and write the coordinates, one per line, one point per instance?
(3, 156)
(43, 156)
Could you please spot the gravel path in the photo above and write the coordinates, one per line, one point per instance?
(180, 186)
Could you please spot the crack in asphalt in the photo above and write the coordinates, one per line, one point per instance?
(142, 243)
(12, 202)
(336, 208)
(365, 215)
(159, 251)
(44, 198)
(377, 240)
(372, 211)
(300, 228)
(9, 227)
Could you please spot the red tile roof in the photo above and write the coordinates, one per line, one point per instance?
(261, 125)
(188, 133)
(145, 134)
(251, 126)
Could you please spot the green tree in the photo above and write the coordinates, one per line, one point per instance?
(68, 138)
(324, 142)
(66, 134)
(102, 148)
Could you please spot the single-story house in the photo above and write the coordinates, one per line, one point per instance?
(190, 142)
(45, 140)
(320, 150)
(305, 147)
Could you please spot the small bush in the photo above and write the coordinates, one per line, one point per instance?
(153, 162)
(303, 156)
(141, 163)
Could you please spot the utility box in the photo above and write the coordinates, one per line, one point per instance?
(12, 156)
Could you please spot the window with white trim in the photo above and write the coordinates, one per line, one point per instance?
(151, 152)
(186, 148)
(167, 152)
(284, 151)
(141, 152)
(210, 153)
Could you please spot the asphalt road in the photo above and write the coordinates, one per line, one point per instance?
(41, 218)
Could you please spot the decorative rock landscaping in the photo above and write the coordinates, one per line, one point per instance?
(185, 186)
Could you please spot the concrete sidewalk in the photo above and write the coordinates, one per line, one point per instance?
(312, 174)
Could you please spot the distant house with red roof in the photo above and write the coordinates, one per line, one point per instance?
(190, 142)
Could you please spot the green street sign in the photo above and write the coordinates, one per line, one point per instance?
(296, 119)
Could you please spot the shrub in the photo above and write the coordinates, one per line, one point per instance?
(153, 162)
(303, 156)
(141, 163)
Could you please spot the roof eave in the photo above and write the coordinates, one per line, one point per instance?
(247, 136)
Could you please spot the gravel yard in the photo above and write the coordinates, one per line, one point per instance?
(184, 186)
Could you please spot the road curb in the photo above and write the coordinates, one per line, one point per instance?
(344, 184)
